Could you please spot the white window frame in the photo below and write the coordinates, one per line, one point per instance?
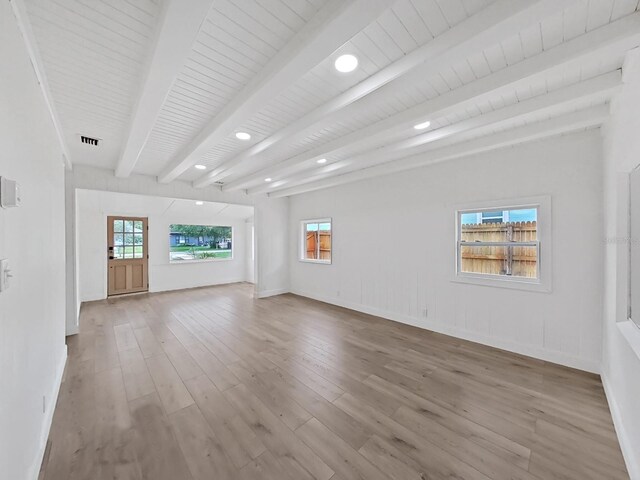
(628, 327)
(303, 240)
(543, 245)
(633, 317)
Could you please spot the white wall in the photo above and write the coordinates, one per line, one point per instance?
(394, 249)
(272, 241)
(250, 249)
(32, 348)
(621, 364)
(92, 210)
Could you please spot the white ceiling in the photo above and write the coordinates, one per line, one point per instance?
(167, 87)
(94, 54)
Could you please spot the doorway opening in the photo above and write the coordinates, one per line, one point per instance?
(176, 244)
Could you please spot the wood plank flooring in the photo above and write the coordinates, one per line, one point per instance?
(211, 384)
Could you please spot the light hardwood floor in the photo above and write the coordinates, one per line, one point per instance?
(211, 384)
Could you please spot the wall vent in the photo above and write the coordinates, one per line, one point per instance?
(89, 140)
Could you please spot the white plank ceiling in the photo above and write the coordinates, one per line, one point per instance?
(94, 53)
(550, 66)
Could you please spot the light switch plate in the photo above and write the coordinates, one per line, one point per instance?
(9, 193)
(4, 274)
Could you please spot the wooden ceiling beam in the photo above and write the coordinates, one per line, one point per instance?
(177, 32)
(489, 26)
(596, 90)
(605, 41)
(336, 23)
(591, 117)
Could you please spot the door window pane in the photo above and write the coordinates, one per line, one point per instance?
(128, 239)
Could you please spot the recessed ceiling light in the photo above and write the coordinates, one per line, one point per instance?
(242, 136)
(322, 160)
(199, 202)
(200, 167)
(422, 126)
(268, 179)
(346, 63)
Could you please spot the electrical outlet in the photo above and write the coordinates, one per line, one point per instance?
(425, 312)
(44, 403)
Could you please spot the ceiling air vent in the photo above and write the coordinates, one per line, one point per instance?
(89, 140)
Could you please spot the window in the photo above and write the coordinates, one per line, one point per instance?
(499, 243)
(316, 241)
(200, 242)
(128, 238)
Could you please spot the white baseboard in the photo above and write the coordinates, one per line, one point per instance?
(628, 452)
(92, 297)
(272, 293)
(228, 281)
(34, 471)
(72, 330)
(439, 327)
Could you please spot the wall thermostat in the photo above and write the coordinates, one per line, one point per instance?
(9, 193)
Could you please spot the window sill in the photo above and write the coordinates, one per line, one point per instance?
(631, 332)
(210, 260)
(485, 281)
(320, 262)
